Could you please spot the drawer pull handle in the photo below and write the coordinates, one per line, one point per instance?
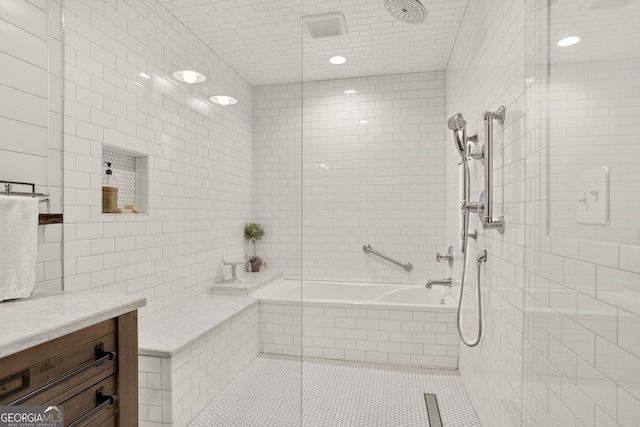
(102, 400)
(101, 357)
(25, 376)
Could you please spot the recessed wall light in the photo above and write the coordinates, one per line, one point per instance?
(337, 60)
(223, 100)
(568, 41)
(144, 75)
(350, 92)
(362, 121)
(189, 76)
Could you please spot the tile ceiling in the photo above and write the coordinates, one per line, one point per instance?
(264, 41)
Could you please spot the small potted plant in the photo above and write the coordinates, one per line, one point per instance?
(254, 232)
(254, 262)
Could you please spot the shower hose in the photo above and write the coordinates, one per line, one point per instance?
(482, 257)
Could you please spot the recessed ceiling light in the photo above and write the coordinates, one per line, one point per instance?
(568, 41)
(144, 75)
(350, 92)
(223, 100)
(337, 60)
(189, 76)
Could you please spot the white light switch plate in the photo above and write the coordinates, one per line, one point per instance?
(592, 196)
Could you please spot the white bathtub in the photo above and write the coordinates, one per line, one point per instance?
(349, 293)
(381, 323)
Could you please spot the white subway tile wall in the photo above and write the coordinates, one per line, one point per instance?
(396, 337)
(199, 154)
(30, 117)
(592, 108)
(372, 172)
(486, 70)
(558, 311)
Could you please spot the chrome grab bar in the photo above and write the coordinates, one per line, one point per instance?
(488, 221)
(368, 248)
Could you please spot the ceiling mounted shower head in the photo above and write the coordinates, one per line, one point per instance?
(409, 11)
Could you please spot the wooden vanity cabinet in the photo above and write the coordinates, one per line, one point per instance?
(92, 373)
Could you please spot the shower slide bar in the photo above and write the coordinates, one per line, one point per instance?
(368, 249)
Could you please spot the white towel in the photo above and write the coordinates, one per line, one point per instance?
(18, 246)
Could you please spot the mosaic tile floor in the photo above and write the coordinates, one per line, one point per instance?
(334, 394)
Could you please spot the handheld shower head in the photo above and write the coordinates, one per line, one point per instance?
(456, 123)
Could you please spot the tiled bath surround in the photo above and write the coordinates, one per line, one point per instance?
(176, 386)
(394, 336)
(199, 154)
(560, 317)
(372, 172)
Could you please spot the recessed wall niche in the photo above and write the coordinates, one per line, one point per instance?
(125, 183)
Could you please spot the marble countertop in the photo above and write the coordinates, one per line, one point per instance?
(47, 315)
(167, 334)
(250, 282)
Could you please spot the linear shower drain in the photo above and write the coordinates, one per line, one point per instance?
(433, 411)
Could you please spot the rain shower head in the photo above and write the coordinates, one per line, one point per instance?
(456, 123)
(409, 11)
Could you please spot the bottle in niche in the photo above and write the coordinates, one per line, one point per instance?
(109, 191)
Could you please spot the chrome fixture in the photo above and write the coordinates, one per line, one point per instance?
(446, 257)
(442, 282)
(368, 248)
(8, 190)
(482, 257)
(457, 123)
(473, 234)
(488, 221)
(233, 267)
(409, 11)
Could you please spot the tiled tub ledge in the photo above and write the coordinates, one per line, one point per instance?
(249, 282)
(186, 357)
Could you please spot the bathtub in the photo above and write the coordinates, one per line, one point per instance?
(350, 293)
(371, 322)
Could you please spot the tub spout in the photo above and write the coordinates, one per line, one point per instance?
(442, 282)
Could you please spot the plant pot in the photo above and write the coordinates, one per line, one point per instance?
(255, 267)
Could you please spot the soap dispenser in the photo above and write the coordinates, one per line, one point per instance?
(109, 191)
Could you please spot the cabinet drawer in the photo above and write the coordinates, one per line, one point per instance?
(86, 403)
(27, 371)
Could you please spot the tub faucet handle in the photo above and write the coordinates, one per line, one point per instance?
(446, 257)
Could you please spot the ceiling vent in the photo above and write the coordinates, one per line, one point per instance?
(323, 25)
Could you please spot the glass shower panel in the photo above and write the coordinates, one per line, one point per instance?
(582, 320)
(373, 208)
(594, 98)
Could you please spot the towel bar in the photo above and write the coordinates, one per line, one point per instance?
(8, 190)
